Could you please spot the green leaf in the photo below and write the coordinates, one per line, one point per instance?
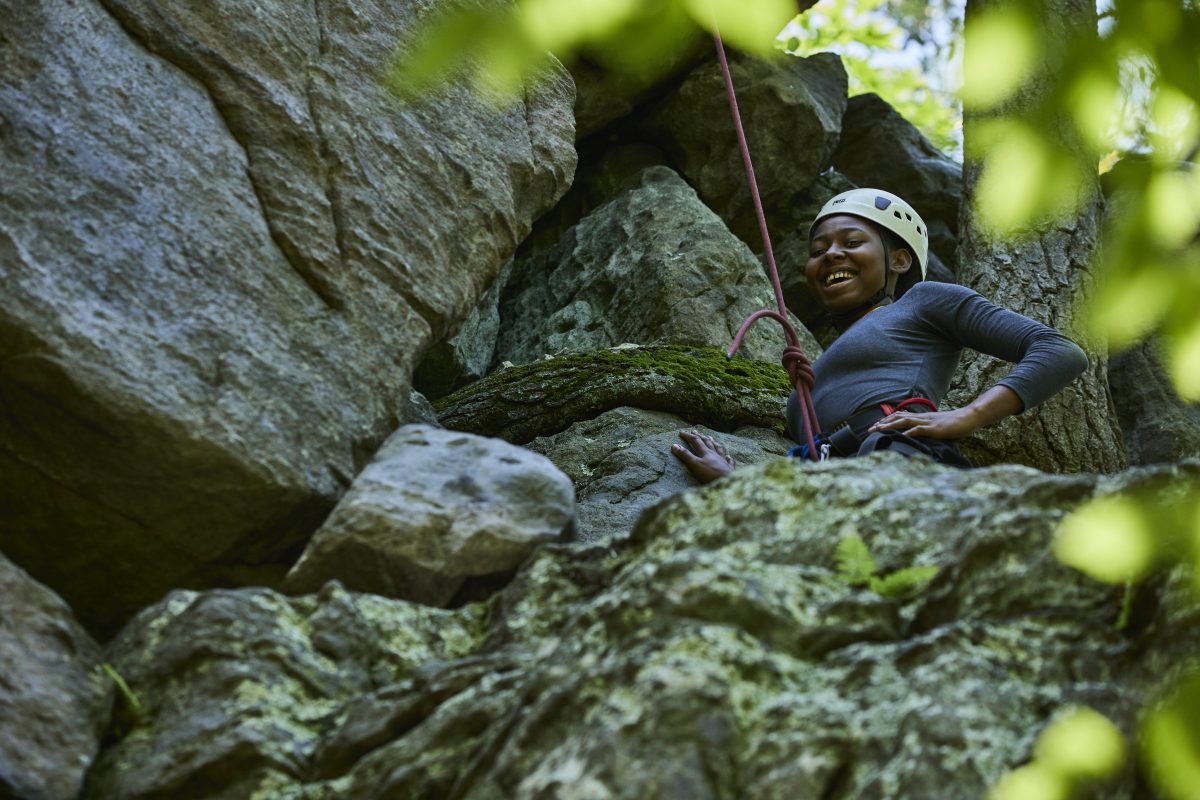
(1081, 743)
(1171, 741)
(854, 562)
(132, 704)
(904, 583)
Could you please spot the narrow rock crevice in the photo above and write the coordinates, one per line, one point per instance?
(326, 292)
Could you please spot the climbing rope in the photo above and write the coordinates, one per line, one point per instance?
(798, 367)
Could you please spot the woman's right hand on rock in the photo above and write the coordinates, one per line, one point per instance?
(703, 456)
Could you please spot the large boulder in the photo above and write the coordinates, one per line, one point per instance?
(621, 464)
(1158, 426)
(54, 699)
(881, 149)
(432, 509)
(725, 649)
(223, 244)
(792, 113)
(650, 266)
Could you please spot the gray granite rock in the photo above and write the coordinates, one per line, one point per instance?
(222, 244)
(1158, 426)
(235, 687)
(792, 114)
(621, 464)
(717, 652)
(433, 508)
(652, 265)
(609, 92)
(881, 149)
(54, 699)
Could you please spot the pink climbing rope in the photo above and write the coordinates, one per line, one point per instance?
(796, 363)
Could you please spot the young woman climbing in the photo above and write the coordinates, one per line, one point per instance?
(878, 385)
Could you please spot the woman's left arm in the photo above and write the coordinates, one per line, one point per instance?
(1046, 361)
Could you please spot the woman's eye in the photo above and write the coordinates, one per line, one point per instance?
(853, 242)
(816, 253)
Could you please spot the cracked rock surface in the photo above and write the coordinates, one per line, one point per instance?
(223, 244)
(621, 464)
(54, 700)
(792, 112)
(651, 265)
(716, 652)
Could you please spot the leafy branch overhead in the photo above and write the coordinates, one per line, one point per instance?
(501, 47)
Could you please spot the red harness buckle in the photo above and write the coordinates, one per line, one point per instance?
(888, 409)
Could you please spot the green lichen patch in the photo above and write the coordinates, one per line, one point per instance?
(697, 383)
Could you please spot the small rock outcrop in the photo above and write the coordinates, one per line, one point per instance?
(621, 464)
(54, 699)
(699, 384)
(792, 111)
(652, 265)
(433, 508)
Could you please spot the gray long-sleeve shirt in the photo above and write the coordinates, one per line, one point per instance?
(912, 347)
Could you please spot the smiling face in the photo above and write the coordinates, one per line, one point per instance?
(846, 263)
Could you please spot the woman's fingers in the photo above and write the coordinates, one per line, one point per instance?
(700, 446)
(901, 420)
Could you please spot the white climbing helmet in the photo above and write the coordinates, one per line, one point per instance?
(886, 210)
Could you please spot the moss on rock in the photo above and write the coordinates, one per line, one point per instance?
(697, 383)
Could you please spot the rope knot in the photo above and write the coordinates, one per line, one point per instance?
(798, 367)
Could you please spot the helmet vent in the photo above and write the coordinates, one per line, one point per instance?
(897, 214)
(908, 215)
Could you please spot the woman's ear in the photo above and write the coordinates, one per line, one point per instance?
(901, 261)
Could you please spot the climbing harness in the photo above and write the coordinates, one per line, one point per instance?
(796, 363)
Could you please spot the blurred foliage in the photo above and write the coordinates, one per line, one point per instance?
(1076, 749)
(500, 46)
(1129, 101)
(1052, 109)
(1123, 538)
(905, 52)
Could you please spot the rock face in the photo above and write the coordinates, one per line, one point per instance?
(881, 149)
(433, 508)
(222, 244)
(1158, 426)
(719, 652)
(621, 465)
(263, 673)
(54, 700)
(651, 266)
(792, 113)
